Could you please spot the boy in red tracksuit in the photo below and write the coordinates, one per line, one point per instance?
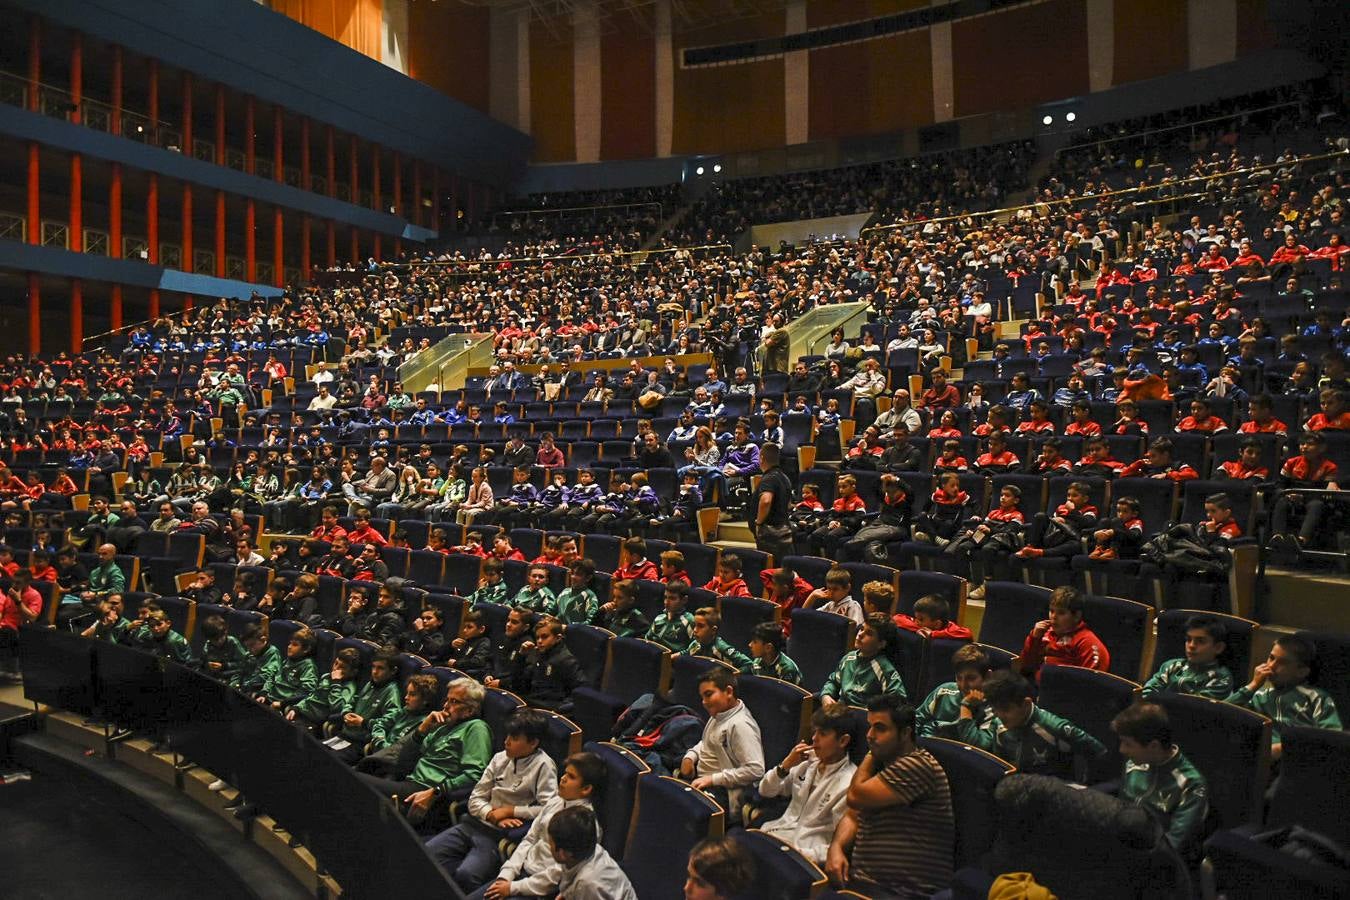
(1246, 467)
(1158, 464)
(634, 563)
(363, 532)
(728, 581)
(788, 589)
(1063, 639)
(932, 619)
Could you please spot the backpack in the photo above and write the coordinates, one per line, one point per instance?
(658, 732)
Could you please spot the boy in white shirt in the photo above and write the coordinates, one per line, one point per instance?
(730, 757)
(816, 775)
(588, 872)
(515, 786)
(835, 596)
(531, 871)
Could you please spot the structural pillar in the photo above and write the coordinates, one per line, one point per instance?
(115, 190)
(34, 315)
(76, 194)
(250, 244)
(152, 186)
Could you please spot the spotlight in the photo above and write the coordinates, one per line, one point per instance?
(1047, 120)
(140, 129)
(1069, 117)
(717, 167)
(698, 171)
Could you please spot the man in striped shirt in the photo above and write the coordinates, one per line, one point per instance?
(897, 836)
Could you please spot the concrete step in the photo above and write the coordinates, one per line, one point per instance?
(1296, 599)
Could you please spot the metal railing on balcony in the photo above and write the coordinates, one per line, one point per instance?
(13, 227)
(95, 242)
(55, 234)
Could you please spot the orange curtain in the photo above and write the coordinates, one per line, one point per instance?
(357, 23)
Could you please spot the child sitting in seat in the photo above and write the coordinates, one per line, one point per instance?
(835, 597)
(333, 695)
(514, 788)
(932, 619)
(869, 670)
(728, 581)
(707, 622)
(941, 709)
(621, 615)
(295, 678)
(222, 654)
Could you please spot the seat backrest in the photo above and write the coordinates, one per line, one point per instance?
(972, 775)
(562, 738)
(452, 608)
(1314, 784)
(623, 770)
(636, 667)
(1010, 612)
(781, 872)
(740, 615)
(1331, 671)
(426, 568)
(700, 561)
(603, 550)
(752, 563)
(181, 613)
(1171, 640)
(590, 645)
(671, 818)
(811, 568)
(1154, 496)
(819, 640)
(1230, 746)
(498, 706)
(782, 710)
(1090, 700)
(461, 572)
(1125, 627)
(937, 663)
(865, 572)
(494, 618)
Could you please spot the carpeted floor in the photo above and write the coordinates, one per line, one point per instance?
(58, 843)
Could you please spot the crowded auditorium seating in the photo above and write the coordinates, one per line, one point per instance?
(1086, 315)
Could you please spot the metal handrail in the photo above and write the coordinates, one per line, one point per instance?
(567, 209)
(542, 259)
(1167, 128)
(1102, 195)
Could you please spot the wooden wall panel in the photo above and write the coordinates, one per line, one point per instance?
(1150, 39)
(448, 49)
(727, 109)
(628, 94)
(1021, 57)
(1254, 31)
(552, 110)
(872, 87)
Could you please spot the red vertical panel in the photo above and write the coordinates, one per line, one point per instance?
(552, 86)
(1019, 58)
(628, 89)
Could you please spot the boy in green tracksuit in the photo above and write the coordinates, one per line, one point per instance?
(621, 615)
(1160, 778)
(939, 712)
(1280, 691)
(374, 699)
(259, 665)
(389, 728)
(491, 587)
(578, 604)
(868, 671)
(766, 647)
(674, 628)
(536, 595)
(1036, 741)
(223, 656)
(706, 642)
(296, 678)
(164, 642)
(334, 693)
(1199, 671)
